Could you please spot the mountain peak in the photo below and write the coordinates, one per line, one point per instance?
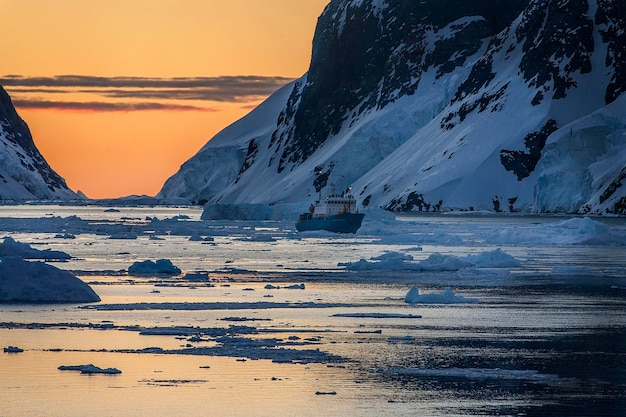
(444, 104)
(24, 173)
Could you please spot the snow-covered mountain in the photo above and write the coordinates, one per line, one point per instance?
(24, 173)
(438, 104)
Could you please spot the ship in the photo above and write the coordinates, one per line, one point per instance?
(336, 213)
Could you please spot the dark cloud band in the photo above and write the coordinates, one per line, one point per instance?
(142, 82)
(148, 93)
(104, 106)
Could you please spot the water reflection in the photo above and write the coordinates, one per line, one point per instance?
(547, 338)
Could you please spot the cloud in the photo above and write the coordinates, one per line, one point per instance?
(222, 89)
(96, 106)
(142, 93)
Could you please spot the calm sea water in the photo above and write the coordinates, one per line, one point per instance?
(548, 336)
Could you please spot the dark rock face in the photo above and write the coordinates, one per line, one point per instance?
(523, 163)
(17, 132)
(611, 16)
(365, 57)
(415, 102)
(566, 35)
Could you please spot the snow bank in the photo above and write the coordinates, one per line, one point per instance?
(24, 281)
(447, 296)
(148, 267)
(9, 247)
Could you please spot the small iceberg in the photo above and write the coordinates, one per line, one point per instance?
(10, 247)
(151, 268)
(197, 276)
(440, 263)
(90, 369)
(13, 349)
(493, 259)
(37, 282)
(447, 296)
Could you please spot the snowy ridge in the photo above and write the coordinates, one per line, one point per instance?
(218, 164)
(24, 173)
(491, 105)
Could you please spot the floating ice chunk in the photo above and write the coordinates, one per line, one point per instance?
(575, 231)
(483, 272)
(198, 238)
(397, 261)
(257, 238)
(90, 369)
(447, 296)
(493, 259)
(393, 257)
(439, 262)
(148, 267)
(584, 226)
(9, 247)
(288, 287)
(389, 261)
(407, 340)
(64, 236)
(13, 349)
(295, 287)
(25, 281)
(199, 276)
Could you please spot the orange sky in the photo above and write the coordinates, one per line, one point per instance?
(119, 93)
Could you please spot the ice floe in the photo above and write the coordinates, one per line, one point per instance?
(287, 287)
(574, 231)
(13, 349)
(447, 296)
(10, 247)
(493, 259)
(90, 369)
(435, 262)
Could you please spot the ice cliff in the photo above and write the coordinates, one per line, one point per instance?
(431, 105)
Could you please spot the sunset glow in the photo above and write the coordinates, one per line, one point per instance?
(118, 94)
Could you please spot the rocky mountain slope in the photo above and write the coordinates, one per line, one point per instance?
(24, 173)
(488, 104)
